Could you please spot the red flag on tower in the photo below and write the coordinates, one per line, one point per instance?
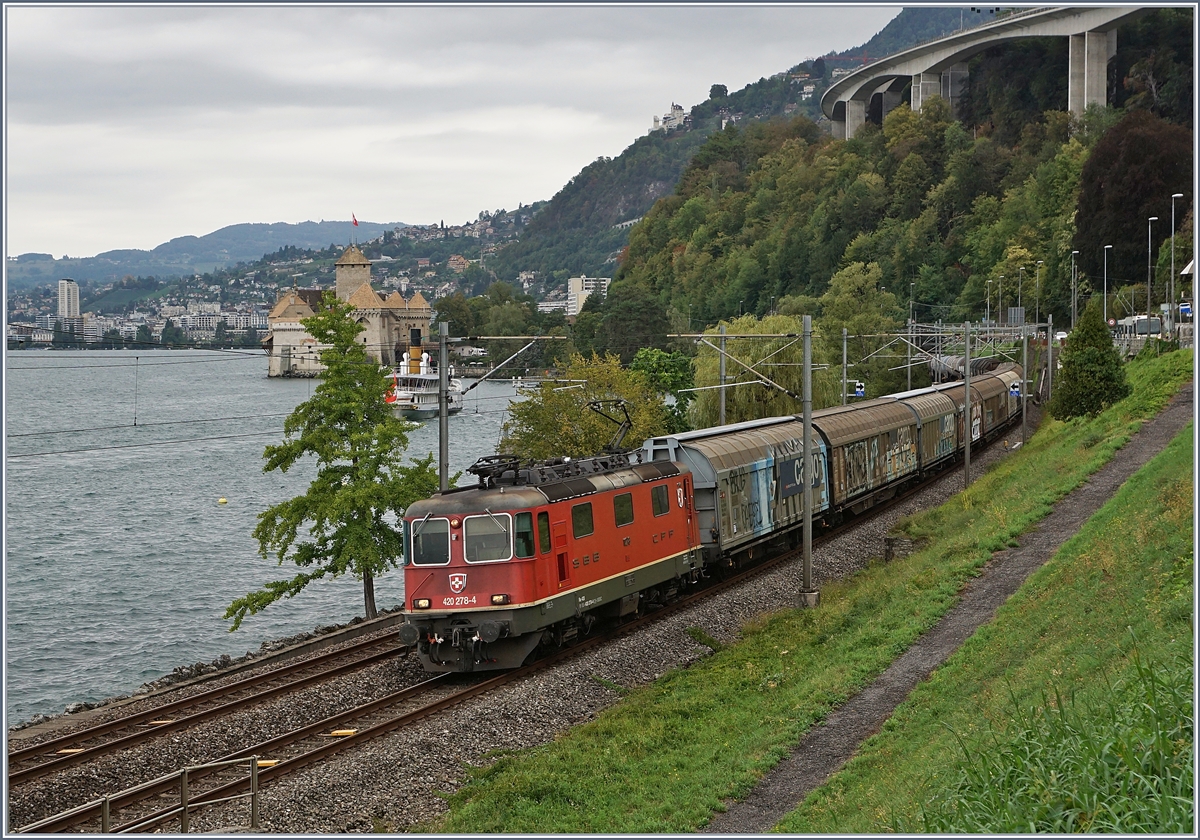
(354, 220)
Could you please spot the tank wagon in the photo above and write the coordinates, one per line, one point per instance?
(535, 554)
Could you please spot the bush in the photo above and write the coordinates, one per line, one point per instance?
(1093, 376)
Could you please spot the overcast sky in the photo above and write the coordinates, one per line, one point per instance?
(126, 127)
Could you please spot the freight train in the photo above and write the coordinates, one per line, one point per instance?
(536, 553)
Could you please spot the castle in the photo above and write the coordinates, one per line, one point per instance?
(387, 321)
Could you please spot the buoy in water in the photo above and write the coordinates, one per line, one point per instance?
(222, 501)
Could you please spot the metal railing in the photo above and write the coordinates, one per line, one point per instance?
(183, 810)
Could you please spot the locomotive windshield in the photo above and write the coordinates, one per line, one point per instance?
(430, 542)
(487, 537)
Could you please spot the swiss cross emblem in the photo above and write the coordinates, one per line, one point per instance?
(458, 583)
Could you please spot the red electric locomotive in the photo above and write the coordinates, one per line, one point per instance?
(536, 553)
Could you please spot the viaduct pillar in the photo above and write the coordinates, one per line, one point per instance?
(856, 115)
(1089, 53)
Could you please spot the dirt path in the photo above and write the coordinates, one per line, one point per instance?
(825, 749)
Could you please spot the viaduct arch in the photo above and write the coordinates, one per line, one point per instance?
(939, 67)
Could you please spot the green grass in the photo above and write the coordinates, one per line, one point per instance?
(665, 757)
(1123, 584)
(1120, 763)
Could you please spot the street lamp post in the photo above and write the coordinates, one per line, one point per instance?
(1037, 296)
(1073, 294)
(1149, 272)
(1020, 287)
(1171, 284)
(987, 318)
(1000, 301)
(1107, 248)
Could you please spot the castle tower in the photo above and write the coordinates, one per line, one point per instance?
(351, 271)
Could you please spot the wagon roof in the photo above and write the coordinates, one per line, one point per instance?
(740, 449)
(867, 419)
(928, 404)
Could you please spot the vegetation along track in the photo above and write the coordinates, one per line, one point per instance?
(142, 809)
(80, 746)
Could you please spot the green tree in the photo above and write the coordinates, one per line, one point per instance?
(456, 312)
(1131, 174)
(1092, 376)
(556, 421)
(633, 318)
(172, 336)
(350, 511)
(669, 374)
(144, 337)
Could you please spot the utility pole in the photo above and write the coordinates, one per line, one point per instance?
(843, 365)
(721, 390)
(908, 350)
(967, 404)
(809, 597)
(443, 408)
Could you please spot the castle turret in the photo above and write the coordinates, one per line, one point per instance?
(352, 270)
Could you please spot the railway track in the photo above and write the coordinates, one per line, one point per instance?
(142, 809)
(32, 762)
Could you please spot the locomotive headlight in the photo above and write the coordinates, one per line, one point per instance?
(420, 603)
(454, 523)
(499, 600)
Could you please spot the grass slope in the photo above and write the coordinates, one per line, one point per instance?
(664, 758)
(1122, 583)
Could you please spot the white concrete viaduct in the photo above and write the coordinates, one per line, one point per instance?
(939, 67)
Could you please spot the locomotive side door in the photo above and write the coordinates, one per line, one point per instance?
(561, 558)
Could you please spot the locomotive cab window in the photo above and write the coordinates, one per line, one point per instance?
(581, 520)
(658, 499)
(487, 538)
(623, 508)
(524, 535)
(430, 542)
(543, 521)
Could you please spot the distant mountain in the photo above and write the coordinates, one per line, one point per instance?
(911, 27)
(187, 255)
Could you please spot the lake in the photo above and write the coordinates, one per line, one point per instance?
(119, 560)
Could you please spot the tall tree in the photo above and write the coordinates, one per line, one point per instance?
(351, 510)
(670, 374)
(633, 318)
(1093, 376)
(1135, 168)
(556, 421)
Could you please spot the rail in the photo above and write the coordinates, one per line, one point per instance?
(102, 806)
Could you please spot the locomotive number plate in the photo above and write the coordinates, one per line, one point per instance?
(459, 601)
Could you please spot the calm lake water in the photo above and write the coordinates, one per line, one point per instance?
(119, 561)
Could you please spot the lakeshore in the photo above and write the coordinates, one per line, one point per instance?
(120, 559)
